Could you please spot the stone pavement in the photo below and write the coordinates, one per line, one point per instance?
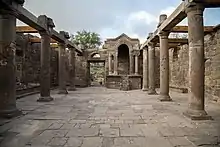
(100, 117)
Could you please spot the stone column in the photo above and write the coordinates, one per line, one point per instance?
(136, 64)
(145, 69)
(151, 51)
(164, 67)
(45, 80)
(196, 108)
(116, 64)
(131, 63)
(72, 72)
(110, 64)
(62, 70)
(8, 107)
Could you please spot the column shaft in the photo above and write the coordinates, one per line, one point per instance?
(151, 79)
(136, 65)
(131, 64)
(62, 69)
(8, 107)
(72, 72)
(116, 64)
(110, 64)
(45, 68)
(145, 69)
(196, 62)
(164, 67)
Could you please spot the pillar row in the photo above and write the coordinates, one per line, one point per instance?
(164, 67)
(196, 107)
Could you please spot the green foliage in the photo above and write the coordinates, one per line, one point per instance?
(86, 39)
(97, 71)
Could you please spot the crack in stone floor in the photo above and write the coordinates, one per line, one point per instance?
(100, 117)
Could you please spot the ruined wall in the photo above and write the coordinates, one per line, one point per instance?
(179, 66)
(82, 71)
(28, 61)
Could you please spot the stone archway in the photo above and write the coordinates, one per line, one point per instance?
(95, 55)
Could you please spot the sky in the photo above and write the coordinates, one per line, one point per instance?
(110, 18)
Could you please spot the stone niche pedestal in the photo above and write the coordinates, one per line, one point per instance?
(124, 82)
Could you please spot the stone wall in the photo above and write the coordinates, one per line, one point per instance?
(179, 66)
(28, 61)
(82, 71)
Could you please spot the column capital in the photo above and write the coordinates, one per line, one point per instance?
(65, 34)
(151, 45)
(195, 7)
(164, 34)
(145, 48)
(162, 18)
(21, 2)
(72, 49)
(136, 52)
(47, 23)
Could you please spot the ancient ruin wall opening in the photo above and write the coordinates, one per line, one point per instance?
(123, 59)
(97, 73)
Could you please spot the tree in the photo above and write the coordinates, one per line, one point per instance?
(86, 40)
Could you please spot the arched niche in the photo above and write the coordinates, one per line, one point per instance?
(123, 59)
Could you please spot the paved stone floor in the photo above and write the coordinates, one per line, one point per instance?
(99, 117)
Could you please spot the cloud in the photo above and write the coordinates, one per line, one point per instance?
(142, 16)
(168, 11)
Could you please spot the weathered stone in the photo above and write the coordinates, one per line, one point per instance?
(164, 67)
(8, 107)
(152, 77)
(145, 69)
(62, 69)
(45, 59)
(196, 63)
(72, 72)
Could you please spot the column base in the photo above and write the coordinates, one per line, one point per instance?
(152, 92)
(72, 89)
(165, 98)
(197, 115)
(63, 91)
(45, 99)
(10, 113)
(144, 89)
